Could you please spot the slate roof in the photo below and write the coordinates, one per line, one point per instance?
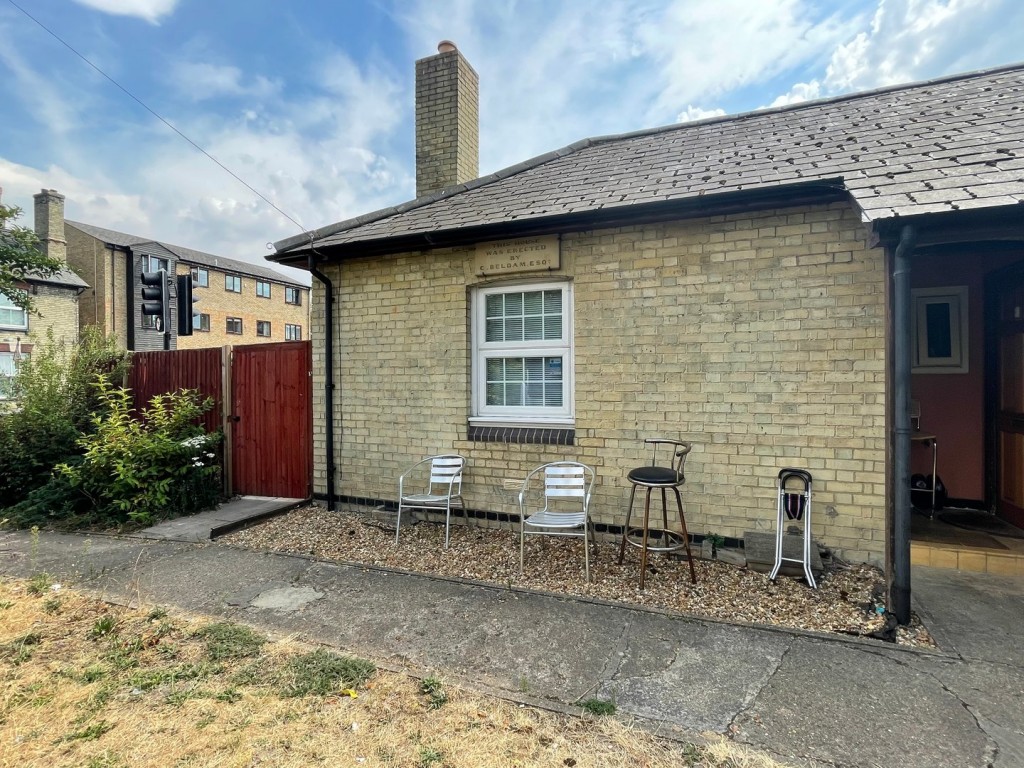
(65, 278)
(944, 145)
(188, 255)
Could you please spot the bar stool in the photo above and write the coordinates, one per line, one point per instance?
(651, 477)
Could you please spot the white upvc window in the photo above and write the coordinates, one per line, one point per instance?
(523, 354)
(11, 315)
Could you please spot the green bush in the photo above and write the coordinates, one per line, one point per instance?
(139, 470)
(54, 400)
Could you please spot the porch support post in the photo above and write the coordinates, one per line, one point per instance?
(899, 598)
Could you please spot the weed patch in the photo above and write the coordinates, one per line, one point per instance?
(230, 641)
(434, 690)
(322, 672)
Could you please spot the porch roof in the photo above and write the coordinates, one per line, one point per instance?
(944, 145)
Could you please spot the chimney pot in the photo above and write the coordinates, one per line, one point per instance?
(446, 46)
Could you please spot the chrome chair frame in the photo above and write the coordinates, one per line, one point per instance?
(562, 480)
(445, 475)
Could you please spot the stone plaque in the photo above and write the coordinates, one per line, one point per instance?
(522, 254)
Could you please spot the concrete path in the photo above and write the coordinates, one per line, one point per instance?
(809, 700)
(228, 516)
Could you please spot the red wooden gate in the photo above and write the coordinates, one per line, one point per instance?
(272, 419)
(263, 400)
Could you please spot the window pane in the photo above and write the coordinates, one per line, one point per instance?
(514, 329)
(495, 369)
(533, 303)
(495, 330)
(533, 328)
(495, 394)
(553, 327)
(495, 305)
(513, 368)
(552, 302)
(513, 394)
(940, 340)
(535, 394)
(553, 394)
(534, 368)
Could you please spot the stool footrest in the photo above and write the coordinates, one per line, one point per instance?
(634, 537)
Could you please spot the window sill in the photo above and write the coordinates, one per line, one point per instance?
(520, 435)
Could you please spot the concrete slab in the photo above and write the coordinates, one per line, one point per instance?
(978, 615)
(844, 705)
(232, 514)
(695, 676)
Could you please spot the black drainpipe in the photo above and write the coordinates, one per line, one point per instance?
(329, 378)
(900, 597)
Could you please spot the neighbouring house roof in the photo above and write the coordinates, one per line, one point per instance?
(187, 255)
(940, 146)
(64, 278)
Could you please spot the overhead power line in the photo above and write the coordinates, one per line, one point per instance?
(159, 117)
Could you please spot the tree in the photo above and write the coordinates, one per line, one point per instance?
(21, 258)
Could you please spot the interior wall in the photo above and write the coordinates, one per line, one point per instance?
(953, 404)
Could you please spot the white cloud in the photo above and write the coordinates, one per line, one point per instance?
(203, 80)
(148, 10)
(692, 113)
(798, 93)
(911, 40)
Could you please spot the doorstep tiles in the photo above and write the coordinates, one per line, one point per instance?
(978, 561)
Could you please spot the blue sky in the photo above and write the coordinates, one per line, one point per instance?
(311, 101)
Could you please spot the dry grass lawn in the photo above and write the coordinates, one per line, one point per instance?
(85, 683)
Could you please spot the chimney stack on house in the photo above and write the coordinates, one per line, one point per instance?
(447, 120)
(49, 224)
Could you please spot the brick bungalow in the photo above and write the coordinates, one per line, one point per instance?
(775, 286)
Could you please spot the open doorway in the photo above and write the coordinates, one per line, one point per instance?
(967, 383)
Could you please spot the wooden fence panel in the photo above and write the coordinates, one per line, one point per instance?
(272, 419)
(154, 373)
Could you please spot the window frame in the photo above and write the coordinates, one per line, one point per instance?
(266, 323)
(955, 298)
(261, 284)
(7, 379)
(198, 323)
(200, 277)
(292, 332)
(234, 280)
(297, 292)
(7, 304)
(227, 326)
(482, 350)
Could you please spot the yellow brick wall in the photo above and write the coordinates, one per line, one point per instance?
(104, 302)
(57, 309)
(758, 337)
(220, 304)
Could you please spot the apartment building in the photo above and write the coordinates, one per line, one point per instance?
(235, 302)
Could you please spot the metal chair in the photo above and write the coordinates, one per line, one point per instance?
(566, 511)
(665, 478)
(443, 488)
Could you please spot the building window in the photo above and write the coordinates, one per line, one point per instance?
(154, 263)
(11, 315)
(233, 283)
(8, 367)
(200, 278)
(234, 325)
(292, 296)
(263, 289)
(292, 332)
(522, 354)
(939, 318)
(263, 328)
(201, 322)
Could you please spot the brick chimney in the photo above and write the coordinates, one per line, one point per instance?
(447, 120)
(49, 221)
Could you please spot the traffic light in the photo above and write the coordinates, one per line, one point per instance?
(185, 302)
(155, 298)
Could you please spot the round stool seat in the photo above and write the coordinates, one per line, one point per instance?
(654, 476)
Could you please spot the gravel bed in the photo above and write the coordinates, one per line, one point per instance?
(841, 604)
